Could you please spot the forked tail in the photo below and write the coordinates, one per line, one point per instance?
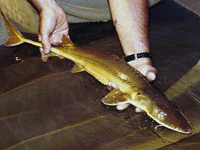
(15, 37)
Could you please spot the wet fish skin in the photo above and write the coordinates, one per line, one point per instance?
(134, 88)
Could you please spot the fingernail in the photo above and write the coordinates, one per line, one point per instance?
(44, 58)
(138, 110)
(39, 38)
(46, 51)
(122, 106)
(119, 107)
(114, 85)
(151, 76)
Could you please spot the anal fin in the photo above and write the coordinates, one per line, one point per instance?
(115, 97)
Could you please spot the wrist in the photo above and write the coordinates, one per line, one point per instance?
(137, 56)
(144, 61)
(135, 46)
(44, 4)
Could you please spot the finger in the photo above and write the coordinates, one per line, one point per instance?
(122, 106)
(151, 74)
(39, 37)
(44, 32)
(43, 56)
(45, 43)
(138, 110)
(111, 86)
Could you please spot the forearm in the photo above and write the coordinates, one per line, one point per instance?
(131, 21)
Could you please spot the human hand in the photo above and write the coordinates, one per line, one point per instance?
(53, 24)
(144, 65)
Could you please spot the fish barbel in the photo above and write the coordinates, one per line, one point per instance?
(134, 88)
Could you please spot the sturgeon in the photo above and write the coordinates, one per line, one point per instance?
(134, 88)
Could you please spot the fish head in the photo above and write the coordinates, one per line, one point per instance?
(170, 117)
(159, 108)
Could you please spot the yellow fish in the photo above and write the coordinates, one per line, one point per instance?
(134, 88)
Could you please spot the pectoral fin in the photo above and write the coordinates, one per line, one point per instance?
(77, 68)
(115, 97)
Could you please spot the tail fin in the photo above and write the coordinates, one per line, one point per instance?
(15, 38)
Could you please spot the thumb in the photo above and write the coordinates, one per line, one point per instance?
(45, 42)
(45, 31)
(151, 73)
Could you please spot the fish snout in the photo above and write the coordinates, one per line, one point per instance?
(172, 119)
(189, 130)
(184, 126)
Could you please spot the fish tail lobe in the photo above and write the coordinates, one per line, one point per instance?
(15, 37)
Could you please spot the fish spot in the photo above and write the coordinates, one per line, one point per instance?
(123, 77)
(156, 110)
(161, 115)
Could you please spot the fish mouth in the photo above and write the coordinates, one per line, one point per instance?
(187, 130)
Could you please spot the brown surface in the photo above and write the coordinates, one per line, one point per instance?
(63, 111)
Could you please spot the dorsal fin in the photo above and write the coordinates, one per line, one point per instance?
(65, 41)
(77, 68)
